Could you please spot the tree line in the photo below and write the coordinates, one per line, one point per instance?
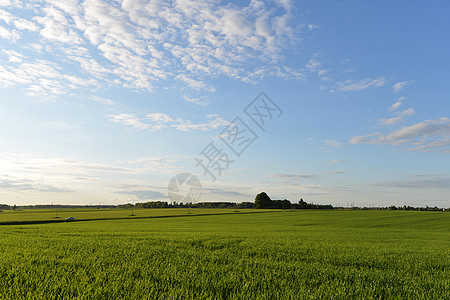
(164, 204)
(262, 201)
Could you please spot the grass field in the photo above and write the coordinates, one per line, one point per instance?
(299, 254)
(51, 215)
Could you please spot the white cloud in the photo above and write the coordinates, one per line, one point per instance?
(195, 84)
(196, 100)
(441, 145)
(312, 26)
(296, 176)
(407, 112)
(32, 175)
(6, 16)
(397, 104)
(159, 121)
(27, 185)
(151, 160)
(307, 176)
(137, 43)
(12, 34)
(351, 85)
(160, 118)
(57, 27)
(35, 167)
(214, 122)
(336, 161)
(391, 121)
(337, 172)
(400, 85)
(286, 4)
(22, 24)
(429, 135)
(42, 78)
(314, 65)
(129, 120)
(15, 3)
(398, 118)
(103, 100)
(419, 182)
(14, 56)
(333, 143)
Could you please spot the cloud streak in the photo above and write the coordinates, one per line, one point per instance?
(397, 104)
(336, 161)
(353, 86)
(158, 121)
(144, 194)
(429, 136)
(301, 177)
(431, 182)
(26, 185)
(399, 118)
(397, 87)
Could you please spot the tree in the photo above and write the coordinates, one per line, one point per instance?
(262, 200)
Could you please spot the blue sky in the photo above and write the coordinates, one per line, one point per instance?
(105, 101)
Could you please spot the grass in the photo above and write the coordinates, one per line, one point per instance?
(29, 216)
(273, 255)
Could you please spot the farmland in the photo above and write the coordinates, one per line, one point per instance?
(222, 254)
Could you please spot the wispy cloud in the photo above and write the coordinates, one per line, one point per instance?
(337, 172)
(195, 84)
(102, 100)
(426, 181)
(398, 118)
(26, 185)
(296, 176)
(134, 44)
(129, 120)
(301, 177)
(33, 177)
(144, 194)
(37, 166)
(312, 26)
(333, 143)
(196, 100)
(314, 65)
(42, 77)
(338, 161)
(397, 87)
(397, 104)
(429, 135)
(367, 83)
(158, 121)
(226, 192)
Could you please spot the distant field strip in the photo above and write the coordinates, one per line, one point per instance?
(38, 216)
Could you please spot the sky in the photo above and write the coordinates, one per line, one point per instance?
(335, 102)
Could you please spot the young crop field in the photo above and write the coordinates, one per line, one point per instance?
(35, 216)
(222, 254)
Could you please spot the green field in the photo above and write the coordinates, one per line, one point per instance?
(303, 254)
(50, 216)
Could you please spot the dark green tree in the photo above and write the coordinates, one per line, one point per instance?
(262, 200)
